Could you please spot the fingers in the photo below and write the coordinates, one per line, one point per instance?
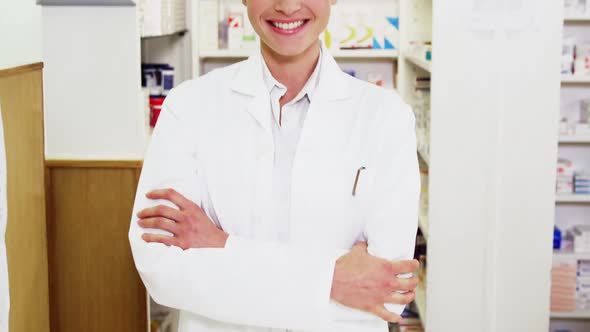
(404, 284)
(387, 315)
(161, 211)
(173, 196)
(401, 298)
(159, 223)
(158, 238)
(407, 266)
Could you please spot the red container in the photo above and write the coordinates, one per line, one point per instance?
(155, 109)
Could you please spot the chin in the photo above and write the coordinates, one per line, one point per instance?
(290, 49)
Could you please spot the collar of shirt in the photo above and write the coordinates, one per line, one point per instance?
(272, 85)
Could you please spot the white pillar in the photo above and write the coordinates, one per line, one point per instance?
(495, 106)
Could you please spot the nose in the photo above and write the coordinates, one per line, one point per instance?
(288, 7)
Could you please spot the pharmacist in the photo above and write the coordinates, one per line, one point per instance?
(262, 177)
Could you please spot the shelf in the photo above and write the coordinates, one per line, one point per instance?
(340, 54)
(421, 63)
(577, 19)
(572, 198)
(423, 224)
(573, 79)
(420, 301)
(571, 315)
(571, 255)
(573, 139)
(179, 32)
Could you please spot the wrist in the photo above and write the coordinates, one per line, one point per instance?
(336, 280)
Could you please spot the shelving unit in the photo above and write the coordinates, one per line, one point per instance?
(577, 19)
(421, 63)
(573, 198)
(574, 139)
(570, 315)
(573, 79)
(559, 255)
(416, 26)
(571, 208)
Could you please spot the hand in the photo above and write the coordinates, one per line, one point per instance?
(189, 224)
(366, 282)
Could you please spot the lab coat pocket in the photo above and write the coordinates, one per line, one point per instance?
(341, 210)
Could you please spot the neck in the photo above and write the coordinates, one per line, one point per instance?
(292, 71)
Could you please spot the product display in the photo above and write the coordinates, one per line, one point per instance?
(158, 78)
(556, 238)
(420, 50)
(155, 109)
(582, 183)
(576, 7)
(575, 57)
(563, 286)
(354, 26)
(161, 17)
(565, 177)
(579, 236)
(208, 25)
(235, 30)
(576, 122)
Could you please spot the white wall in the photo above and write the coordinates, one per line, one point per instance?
(20, 33)
(93, 105)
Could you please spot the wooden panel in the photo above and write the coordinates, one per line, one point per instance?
(94, 163)
(21, 69)
(21, 97)
(94, 284)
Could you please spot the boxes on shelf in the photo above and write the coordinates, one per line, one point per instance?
(583, 285)
(575, 57)
(576, 8)
(161, 17)
(579, 238)
(420, 50)
(582, 183)
(235, 30)
(158, 79)
(208, 24)
(355, 26)
(565, 176)
(563, 286)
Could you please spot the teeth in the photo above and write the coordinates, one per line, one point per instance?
(288, 26)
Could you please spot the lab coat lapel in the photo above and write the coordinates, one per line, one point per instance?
(327, 107)
(248, 80)
(322, 152)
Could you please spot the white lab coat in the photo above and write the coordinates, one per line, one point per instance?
(4, 296)
(214, 144)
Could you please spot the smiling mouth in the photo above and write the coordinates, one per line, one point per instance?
(288, 26)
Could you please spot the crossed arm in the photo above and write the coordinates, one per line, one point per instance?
(203, 270)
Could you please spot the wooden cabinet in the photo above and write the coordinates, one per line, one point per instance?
(93, 282)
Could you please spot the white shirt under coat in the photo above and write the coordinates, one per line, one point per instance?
(214, 143)
(286, 129)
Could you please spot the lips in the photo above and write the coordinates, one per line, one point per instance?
(288, 27)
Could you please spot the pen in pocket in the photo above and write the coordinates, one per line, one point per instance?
(356, 179)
